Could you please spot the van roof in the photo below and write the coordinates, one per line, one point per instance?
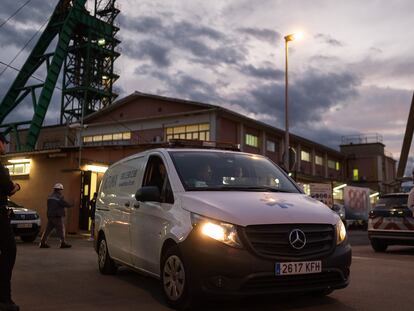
(167, 150)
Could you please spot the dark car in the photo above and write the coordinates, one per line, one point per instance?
(391, 222)
(25, 222)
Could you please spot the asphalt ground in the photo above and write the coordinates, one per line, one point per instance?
(68, 279)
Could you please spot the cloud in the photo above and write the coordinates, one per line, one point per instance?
(33, 13)
(324, 135)
(328, 40)
(386, 70)
(206, 45)
(266, 73)
(262, 34)
(309, 96)
(12, 35)
(183, 86)
(150, 50)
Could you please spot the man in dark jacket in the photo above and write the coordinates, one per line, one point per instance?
(92, 204)
(7, 242)
(56, 205)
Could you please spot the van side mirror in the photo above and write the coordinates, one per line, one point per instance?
(148, 193)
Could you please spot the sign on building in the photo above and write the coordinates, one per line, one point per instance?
(322, 192)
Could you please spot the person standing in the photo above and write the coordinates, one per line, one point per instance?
(7, 241)
(92, 204)
(56, 205)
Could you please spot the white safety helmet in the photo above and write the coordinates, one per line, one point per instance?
(58, 186)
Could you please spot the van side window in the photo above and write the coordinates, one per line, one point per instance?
(156, 175)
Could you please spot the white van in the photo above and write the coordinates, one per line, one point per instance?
(217, 222)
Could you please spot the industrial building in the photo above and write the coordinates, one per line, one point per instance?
(78, 155)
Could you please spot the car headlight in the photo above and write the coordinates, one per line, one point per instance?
(340, 232)
(220, 231)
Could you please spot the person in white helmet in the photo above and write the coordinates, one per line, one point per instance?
(56, 205)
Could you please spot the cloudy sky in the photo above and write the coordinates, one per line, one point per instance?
(353, 72)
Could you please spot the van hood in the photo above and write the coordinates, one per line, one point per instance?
(255, 208)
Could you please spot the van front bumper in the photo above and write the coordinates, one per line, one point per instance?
(215, 268)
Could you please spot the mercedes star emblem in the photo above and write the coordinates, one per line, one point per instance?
(297, 239)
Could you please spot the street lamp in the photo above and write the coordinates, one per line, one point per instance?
(291, 37)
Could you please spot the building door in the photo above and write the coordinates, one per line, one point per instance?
(89, 185)
(85, 194)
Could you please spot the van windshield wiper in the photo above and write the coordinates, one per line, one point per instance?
(238, 188)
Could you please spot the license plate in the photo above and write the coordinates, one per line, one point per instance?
(302, 267)
(24, 225)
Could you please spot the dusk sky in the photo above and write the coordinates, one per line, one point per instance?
(353, 72)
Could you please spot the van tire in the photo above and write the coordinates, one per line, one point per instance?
(378, 245)
(105, 263)
(172, 262)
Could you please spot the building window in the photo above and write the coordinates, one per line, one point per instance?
(338, 166)
(110, 137)
(19, 169)
(252, 140)
(270, 146)
(355, 175)
(305, 156)
(193, 131)
(107, 137)
(318, 160)
(332, 164)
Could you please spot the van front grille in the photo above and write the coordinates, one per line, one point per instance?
(273, 240)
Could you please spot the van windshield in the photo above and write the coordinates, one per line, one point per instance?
(225, 171)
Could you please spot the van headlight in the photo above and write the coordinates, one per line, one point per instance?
(340, 232)
(220, 231)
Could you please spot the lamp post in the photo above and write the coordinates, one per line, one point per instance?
(288, 38)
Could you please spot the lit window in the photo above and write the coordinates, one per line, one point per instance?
(19, 169)
(338, 166)
(97, 138)
(192, 131)
(305, 156)
(192, 128)
(270, 146)
(204, 127)
(252, 140)
(332, 164)
(87, 139)
(318, 160)
(126, 135)
(355, 174)
(107, 137)
(117, 136)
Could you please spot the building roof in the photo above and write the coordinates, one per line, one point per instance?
(203, 106)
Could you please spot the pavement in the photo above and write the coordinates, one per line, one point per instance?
(68, 279)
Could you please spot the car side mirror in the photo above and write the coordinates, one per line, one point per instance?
(148, 193)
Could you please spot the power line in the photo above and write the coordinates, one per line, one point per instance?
(15, 13)
(22, 49)
(34, 77)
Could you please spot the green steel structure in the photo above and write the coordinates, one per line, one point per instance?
(85, 47)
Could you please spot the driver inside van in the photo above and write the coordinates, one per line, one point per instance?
(203, 177)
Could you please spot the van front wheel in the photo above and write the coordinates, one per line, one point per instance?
(174, 280)
(105, 263)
